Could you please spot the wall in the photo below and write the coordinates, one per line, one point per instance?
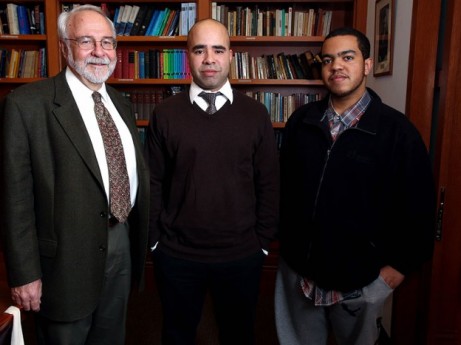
(393, 88)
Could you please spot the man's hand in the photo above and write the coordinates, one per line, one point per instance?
(391, 276)
(28, 296)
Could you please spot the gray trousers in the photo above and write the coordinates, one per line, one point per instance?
(353, 322)
(106, 325)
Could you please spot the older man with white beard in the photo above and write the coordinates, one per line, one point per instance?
(75, 189)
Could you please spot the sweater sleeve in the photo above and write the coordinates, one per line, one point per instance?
(157, 161)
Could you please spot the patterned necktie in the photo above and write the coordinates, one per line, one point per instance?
(119, 183)
(210, 98)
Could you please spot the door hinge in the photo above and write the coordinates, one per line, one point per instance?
(438, 227)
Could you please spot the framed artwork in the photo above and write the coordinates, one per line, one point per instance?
(384, 37)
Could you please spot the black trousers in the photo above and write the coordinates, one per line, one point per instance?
(183, 286)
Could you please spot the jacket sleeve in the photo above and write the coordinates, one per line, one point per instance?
(19, 231)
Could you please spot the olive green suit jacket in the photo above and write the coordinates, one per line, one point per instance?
(55, 207)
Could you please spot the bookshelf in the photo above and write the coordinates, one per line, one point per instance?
(343, 12)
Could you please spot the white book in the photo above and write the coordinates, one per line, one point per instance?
(192, 15)
(214, 5)
(289, 21)
(12, 17)
(183, 19)
(218, 12)
(310, 22)
(260, 23)
(131, 19)
(124, 19)
(118, 22)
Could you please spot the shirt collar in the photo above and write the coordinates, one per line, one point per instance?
(78, 88)
(226, 90)
(350, 116)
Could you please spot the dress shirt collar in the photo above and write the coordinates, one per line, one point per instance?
(78, 88)
(226, 91)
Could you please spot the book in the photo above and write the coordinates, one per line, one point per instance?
(297, 67)
(23, 20)
(118, 18)
(167, 25)
(141, 65)
(151, 12)
(138, 20)
(36, 16)
(154, 31)
(155, 17)
(118, 71)
(13, 64)
(34, 29)
(124, 19)
(131, 19)
(192, 15)
(314, 71)
(42, 23)
(173, 28)
(183, 19)
(4, 21)
(12, 17)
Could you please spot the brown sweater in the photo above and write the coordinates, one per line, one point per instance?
(214, 179)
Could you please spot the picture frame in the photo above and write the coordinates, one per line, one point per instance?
(384, 37)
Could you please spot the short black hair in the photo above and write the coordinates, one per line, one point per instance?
(362, 40)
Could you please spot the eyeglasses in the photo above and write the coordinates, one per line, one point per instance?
(89, 43)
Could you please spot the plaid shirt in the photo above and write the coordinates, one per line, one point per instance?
(350, 118)
(337, 123)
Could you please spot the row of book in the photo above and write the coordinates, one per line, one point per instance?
(281, 107)
(146, 20)
(246, 21)
(276, 66)
(152, 64)
(144, 101)
(21, 19)
(21, 63)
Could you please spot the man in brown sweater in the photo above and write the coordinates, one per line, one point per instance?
(214, 197)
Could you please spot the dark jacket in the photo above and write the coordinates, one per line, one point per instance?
(351, 207)
(56, 209)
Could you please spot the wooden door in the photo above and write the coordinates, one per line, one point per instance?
(445, 294)
(428, 308)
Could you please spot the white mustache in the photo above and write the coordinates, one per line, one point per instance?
(100, 61)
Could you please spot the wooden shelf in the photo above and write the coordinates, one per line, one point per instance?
(23, 37)
(145, 123)
(281, 82)
(18, 80)
(277, 39)
(113, 81)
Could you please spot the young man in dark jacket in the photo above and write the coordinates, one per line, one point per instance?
(357, 204)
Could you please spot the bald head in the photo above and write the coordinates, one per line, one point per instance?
(210, 26)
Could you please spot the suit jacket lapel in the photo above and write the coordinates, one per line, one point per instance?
(68, 115)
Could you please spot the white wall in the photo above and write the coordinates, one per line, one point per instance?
(393, 88)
